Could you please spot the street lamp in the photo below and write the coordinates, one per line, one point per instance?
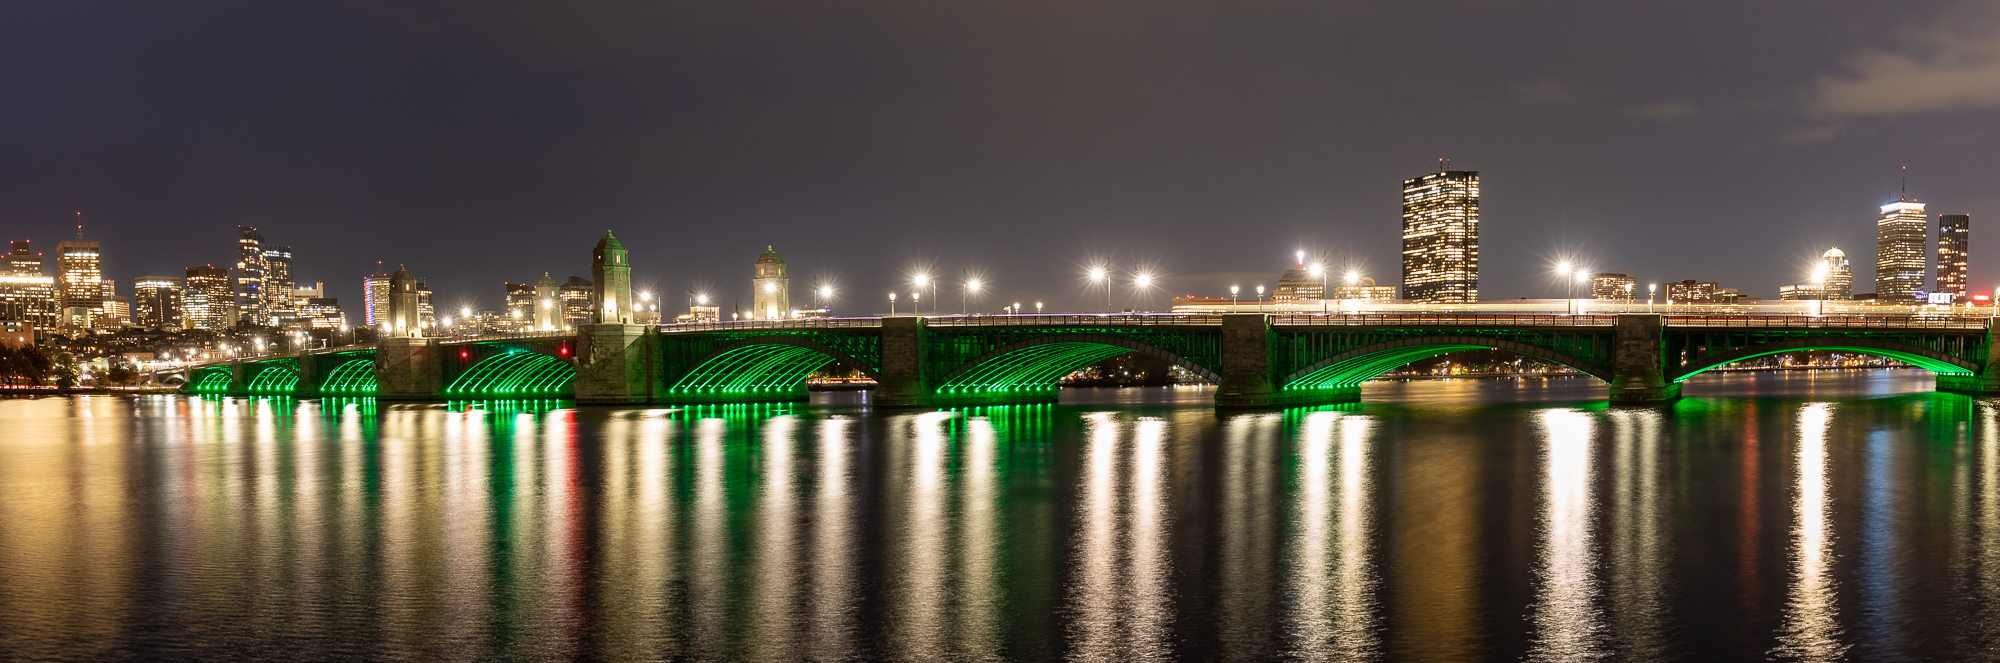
(922, 281)
(1101, 277)
(1038, 308)
(916, 302)
(971, 288)
(1819, 289)
(1318, 271)
(1141, 282)
(1232, 295)
(826, 297)
(1650, 289)
(1260, 298)
(892, 305)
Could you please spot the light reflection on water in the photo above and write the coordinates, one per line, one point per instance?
(1865, 526)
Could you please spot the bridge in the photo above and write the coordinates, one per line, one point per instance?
(1255, 359)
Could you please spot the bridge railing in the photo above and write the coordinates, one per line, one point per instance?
(1442, 320)
(1830, 321)
(1078, 320)
(505, 336)
(753, 325)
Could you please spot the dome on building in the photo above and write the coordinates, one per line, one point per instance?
(1834, 252)
(770, 256)
(610, 241)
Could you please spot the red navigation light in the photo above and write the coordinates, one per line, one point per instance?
(464, 354)
(564, 351)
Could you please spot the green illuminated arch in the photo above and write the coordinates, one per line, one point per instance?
(354, 377)
(1350, 369)
(274, 379)
(211, 381)
(515, 373)
(1040, 364)
(1930, 360)
(770, 367)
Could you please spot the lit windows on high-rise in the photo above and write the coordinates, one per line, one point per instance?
(156, 302)
(251, 302)
(1954, 243)
(1900, 255)
(206, 298)
(1441, 237)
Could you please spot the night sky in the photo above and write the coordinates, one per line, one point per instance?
(487, 141)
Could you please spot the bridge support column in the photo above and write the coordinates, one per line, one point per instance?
(1248, 379)
(309, 376)
(1638, 364)
(239, 377)
(406, 369)
(903, 383)
(1984, 383)
(614, 364)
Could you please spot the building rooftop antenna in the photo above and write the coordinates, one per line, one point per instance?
(79, 224)
(1903, 192)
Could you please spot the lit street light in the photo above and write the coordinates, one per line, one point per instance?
(1233, 289)
(1260, 298)
(971, 288)
(1318, 271)
(1101, 277)
(1141, 282)
(892, 305)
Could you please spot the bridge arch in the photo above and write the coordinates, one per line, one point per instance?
(1921, 357)
(515, 372)
(767, 366)
(1351, 368)
(274, 378)
(353, 376)
(211, 380)
(1038, 364)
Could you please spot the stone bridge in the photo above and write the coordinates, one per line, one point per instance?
(1256, 360)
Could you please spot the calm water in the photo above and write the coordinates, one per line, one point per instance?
(1815, 516)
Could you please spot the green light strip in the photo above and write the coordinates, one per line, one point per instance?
(1920, 361)
(1035, 368)
(1354, 371)
(354, 376)
(212, 381)
(772, 368)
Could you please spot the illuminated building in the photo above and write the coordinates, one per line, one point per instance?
(700, 313)
(251, 303)
(426, 312)
(1798, 292)
(156, 302)
(375, 300)
(1691, 292)
(1954, 243)
(1441, 237)
(322, 313)
(1298, 284)
(206, 298)
(279, 285)
(1900, 258)
(578, 307)
(17, 334)
(1839, 283)
(770, 287)
(402, 319)
(26, 294)
(79, 281)
(520, 301)
(1364, 289)
(1610, 286)
(115, 313)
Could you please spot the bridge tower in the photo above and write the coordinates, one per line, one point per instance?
(548, 309)
(771, 289)
(405, 316)
(611, 275)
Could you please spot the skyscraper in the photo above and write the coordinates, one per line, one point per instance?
(1954, 242)
(79, 280)
(21, 259)
(1612, 286)
(206, 298)
(279, 288)
(375, 300)
(1899, 251)
(156, 302)
(250, 294)
(770, 287)
(1441, 236)
(1839, 283)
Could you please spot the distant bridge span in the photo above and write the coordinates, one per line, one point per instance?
(1257, 360)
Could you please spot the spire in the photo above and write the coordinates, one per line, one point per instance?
(79, 224)
(1903, 192)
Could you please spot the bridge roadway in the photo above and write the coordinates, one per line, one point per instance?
(1255, 359)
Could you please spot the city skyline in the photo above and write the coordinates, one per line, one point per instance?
(1640, 162)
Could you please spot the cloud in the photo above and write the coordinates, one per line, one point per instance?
(1666, 110)
(1813, 134)
(1950, 64)
(1542, 91)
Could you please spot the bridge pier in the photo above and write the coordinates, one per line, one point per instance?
(614, 364)
(1984, 383)
(903, 382)
(1249, 380)
(309, 376)
(1638, 363)
(407, 369)
(239, 377)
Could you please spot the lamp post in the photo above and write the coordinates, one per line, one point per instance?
(1232, 296)
(1101, 277)
(826, 298)
(1651, 288)
(1038, 308)
(1318, 271)
(892, 305)
(1141, 282)
(971, 288)
(916, 302)
(1351, 280)
(1260, 298)
(1819, 290)
(1563, 271)
(921, 282)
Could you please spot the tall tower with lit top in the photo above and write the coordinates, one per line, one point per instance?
(405, 315)
(548, 306)
(1899, 250)
(771, 294)
(1441, 236)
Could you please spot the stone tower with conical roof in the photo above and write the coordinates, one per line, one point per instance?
(548, 305)
(611, 280)
(405, 305)
(771, 294)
